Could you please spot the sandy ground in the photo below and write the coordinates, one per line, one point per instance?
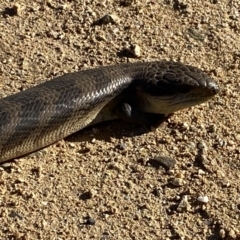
(105, 182)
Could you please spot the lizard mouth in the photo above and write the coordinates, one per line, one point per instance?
(171, 103)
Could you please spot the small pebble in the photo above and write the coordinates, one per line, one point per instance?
(201, 172)
(185, 126)
(121, 146)
(184, 204)
(212, 128)
(6, 165)
(156, 192)
(180, 175)
(222, 233)
(165, 161)
(203, 199)
(45, 203)
(171, 172)
(178, 182)
(90, 221)
(135, 50)
(87, 195)
(108, 18)
(226, 184)
(72, 145)
(232, 234)
(201, 146)
(19, 180)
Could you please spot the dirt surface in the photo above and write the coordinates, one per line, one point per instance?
(106, 182)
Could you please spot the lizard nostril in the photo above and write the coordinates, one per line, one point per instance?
(215, 89)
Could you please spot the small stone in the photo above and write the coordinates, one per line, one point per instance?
(222, 233)
(180, 175)
(84, 150)
(171, 172)
(201, 172)
(166, 162)
(201, 146)
(20, 180)
(7, 165)
(44, 223)
(90, 221)
(156, 192)
(212, 128)
(135, 50)
(121, 146)
(226, 184)
(71, 145)
(45, 203)
(163, 161)
(203, 199)
(108, 18)
(63, 7)
(178, 182)
(87, 195)
(231, 143)
(185, 126)
(184, 204)
(232, 234)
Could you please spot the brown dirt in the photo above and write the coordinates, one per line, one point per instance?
(58, 192)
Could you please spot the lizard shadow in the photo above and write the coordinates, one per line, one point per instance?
(104, 131)
(107, 130)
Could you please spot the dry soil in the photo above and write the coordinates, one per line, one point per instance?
(105, 182)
